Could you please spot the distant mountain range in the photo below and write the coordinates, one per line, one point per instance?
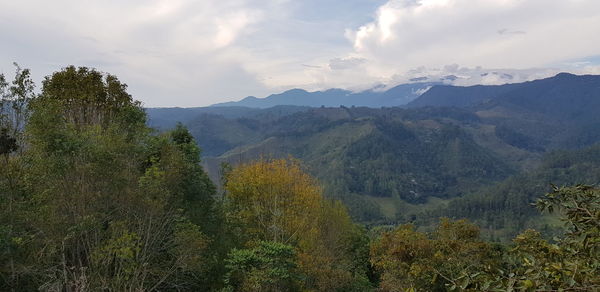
(544, 114)
(395, 96)
(400, 95)
(418, 94)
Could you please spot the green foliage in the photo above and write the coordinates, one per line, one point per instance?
(8, 144)
(452, 257)
(516, 139)
(360, 153)
(573, 262)
(270, 266)
(14, 100)
(415, 164)
(570, 263)
(15, 236)
(275, 200)
(87, 96)
(96, 202)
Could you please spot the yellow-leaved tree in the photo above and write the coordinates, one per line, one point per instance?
(274, 200)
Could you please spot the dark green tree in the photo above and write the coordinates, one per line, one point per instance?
(270, 266)
(14, 234)
(107, 206)
(8, 144)
(572, 263)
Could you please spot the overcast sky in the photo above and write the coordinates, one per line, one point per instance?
(199, 52)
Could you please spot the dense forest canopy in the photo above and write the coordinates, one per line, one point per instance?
(92, 199)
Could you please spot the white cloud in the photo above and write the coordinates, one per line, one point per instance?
(490, 33)
(170, 52)
(493, 41)
(198, 52)
(345, 63)
(229, 26)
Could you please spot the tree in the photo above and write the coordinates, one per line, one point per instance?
(337, 259)
(269, 266)
(273, 200)
(14, 102)
(87, 97)
(450, 258)
(107, 201)
(580, 246)
(196, 188)
(14, 99)
(572, 262)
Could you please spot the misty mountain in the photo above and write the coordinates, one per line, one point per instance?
(395, 96)
(565, 95)
(459, 96)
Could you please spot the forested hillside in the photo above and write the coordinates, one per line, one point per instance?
(506, 207)
(552, 113)
(360, 153)
(390, 165)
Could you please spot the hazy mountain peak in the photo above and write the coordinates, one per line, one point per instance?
(294, 91)
(565, 75)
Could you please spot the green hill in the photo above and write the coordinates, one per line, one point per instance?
(361, 154)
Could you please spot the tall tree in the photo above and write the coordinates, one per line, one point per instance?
(450, 258)
(572, 263)
(106, 199)
(276, 201)
(88, 97)
(273, 200)
(14, 100)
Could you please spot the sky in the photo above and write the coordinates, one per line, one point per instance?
(199, 52)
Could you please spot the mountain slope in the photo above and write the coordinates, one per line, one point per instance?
(507, 205)
(564, 95)
(362, 153)
(457, 96)
(552, 113)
